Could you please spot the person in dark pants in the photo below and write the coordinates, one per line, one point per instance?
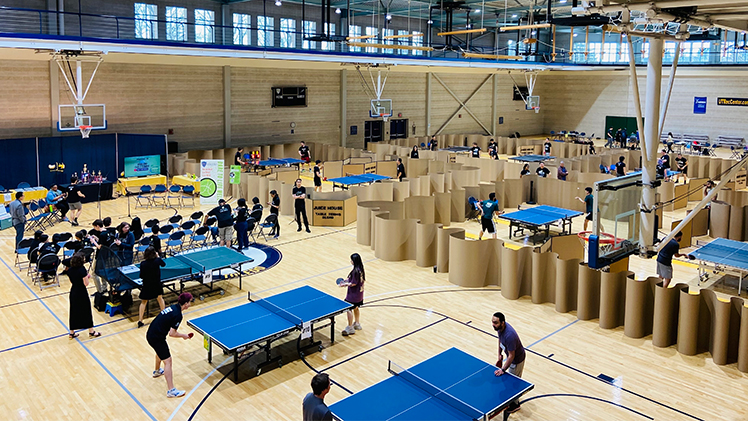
(318, 176)
(274, 204)
(493, 149)
(239, 158)
(313, 407)
(510, 343)
(150, 273)
(400, 169)
(414, 152)
(126, 241)
(74, 201)
(18, 217)
(240, 225)
(588, 201)
(487, 210)
(433, 143)
(299, 204)
(57, 198)
(665, 259)
(80, 304)
(166, 324)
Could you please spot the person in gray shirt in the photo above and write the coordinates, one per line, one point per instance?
(18, 217)
(314, 408)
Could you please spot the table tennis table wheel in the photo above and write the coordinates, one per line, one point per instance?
(202, 298)
(221, 292)
(321, 348)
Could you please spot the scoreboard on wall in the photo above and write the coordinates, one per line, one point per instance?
(289, 97)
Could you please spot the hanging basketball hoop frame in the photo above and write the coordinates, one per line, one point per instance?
(78, 115)
(379, 108)
(607, 242)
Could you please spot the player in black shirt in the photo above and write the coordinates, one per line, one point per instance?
(433, 143)
(493, 149)
(400, 169)
(682, 164)
(74, 201)
(166, 324)
(542, 171)
(318, 175)
(621, 166)
(225, 222)
(299, 204)
(274, 204)
(547, 147)
(414, 152)
(475, 151)
(304, 153)
(239, 158)
(525, 170)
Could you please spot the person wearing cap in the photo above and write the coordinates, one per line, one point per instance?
(225, 222)
(166, 324)
(562, 172)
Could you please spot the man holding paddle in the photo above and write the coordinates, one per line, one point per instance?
(665, 259)
(487, 209)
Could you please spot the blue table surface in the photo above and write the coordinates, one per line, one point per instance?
(280, 161)
(723, 251)
(454, 371)
(210, 259)
(541, 215)
(357, 179)
(532, 158)
(250, 322)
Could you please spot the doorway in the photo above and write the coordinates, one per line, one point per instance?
(372, 132)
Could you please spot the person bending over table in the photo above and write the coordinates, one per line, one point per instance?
(355, 294)
(525, 170)
(240, 225)
(56, 198)
(665, 259)
(487, 210)
(400, 169)
(275, 203)
(166, 324)
(304, 153)
(225, 221)
(318, 175)
(510, 343)
(80, 303)
(313, 407)
(299, 204)
(475, 151)
(542, 171)
(150, 273)
(547, 147)
(588, 201)
(74, 200)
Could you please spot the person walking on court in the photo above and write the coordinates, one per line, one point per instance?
(588, 201)
(621, 166)
(400, 169)
(80, 304)
(318, 175)
(665, 259)
(414, 152)
(355, 294)
(509, 343)
(487, 210)
(150, 273)
(74, 201)
(299, 204)
(18, 217)
(241, 226)
(274, 204)
(166, 324)
(609, 138)
(314, 407)
(225, 222)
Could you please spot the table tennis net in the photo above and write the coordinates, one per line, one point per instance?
(267, 305)
(434, 391)
(196, 267)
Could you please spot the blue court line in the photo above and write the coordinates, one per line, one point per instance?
(551, 334)
(181, 402)
(82, 344)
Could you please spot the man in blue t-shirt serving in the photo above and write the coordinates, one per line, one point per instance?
(487, 209)
(665, 259)
(510, 343)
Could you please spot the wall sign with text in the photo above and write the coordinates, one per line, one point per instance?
(699, 105)
(735, 102)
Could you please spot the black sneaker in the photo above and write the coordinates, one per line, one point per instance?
(298, 230)
(307, 230)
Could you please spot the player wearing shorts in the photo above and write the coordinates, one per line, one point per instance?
(225, 222)
(487, 210)
(318, 175)
(304, 153)
(588, 202)
(665, 259)
(166, 324)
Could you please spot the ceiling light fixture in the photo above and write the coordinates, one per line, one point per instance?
(337, 11)
(388, 16)
(514, 16)
(278, 2)
(477, 10)
(430, 22)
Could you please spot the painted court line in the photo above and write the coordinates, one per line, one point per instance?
(551, 334)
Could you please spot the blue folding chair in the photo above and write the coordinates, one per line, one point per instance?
(143, 199)
(175, 221)
(200, 237)
(159, 194)
(174, 243)
(164, 232)
(142, 246)
(189, 193)
(23, 185)
(187, 227)
(175, 193)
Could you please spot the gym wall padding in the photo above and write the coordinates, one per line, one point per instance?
(19, 162)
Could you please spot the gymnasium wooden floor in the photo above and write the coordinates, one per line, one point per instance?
(410, 314)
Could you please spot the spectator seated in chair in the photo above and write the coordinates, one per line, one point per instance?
(56, 198)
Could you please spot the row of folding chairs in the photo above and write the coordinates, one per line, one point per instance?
(161, 196)
(40, 215)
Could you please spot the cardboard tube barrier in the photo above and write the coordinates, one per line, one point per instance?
(612, 299)
(567, 276)
(543, 278)
(639, 307)
(588, 293)
(665, 323)
(688, 323)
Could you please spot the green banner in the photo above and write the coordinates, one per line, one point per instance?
(235, 174)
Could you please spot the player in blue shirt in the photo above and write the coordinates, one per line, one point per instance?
(487, 209)
(665, 259)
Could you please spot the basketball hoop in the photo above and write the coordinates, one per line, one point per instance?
(384, 117)
(607, 242)
(85, 131)
(537, 109)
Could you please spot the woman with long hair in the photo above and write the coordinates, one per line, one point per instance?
(126, 241)
(80, 305)
(355, 293)
(150, 273)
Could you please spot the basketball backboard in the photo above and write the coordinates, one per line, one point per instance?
(533, 102)
(381, 108)
(71, 117)
(616, 218)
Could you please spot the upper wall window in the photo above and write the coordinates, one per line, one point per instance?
(242, 29)
(176, 23)
(146, 21)
(205, 21)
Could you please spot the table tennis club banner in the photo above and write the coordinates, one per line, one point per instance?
(235, 174)
(211, 181)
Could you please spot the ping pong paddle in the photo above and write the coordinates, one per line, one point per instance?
(691, 257)
(340, 281)
(190, 335)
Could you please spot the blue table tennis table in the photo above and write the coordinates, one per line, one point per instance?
(532, 158)
(353, 180)
(452, 385)
(722, 255)
(262, 321)
(282, 162)
(458, 149)
(540, 218)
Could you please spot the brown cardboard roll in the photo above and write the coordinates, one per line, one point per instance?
(516, 272)
(394, 239)
(588, 293)
(688, 323)
(420, 208)
(473, 264)
(442, 207)
(612, 299)
(457, 205)
(639, 307)
(442, 245)
(665, 323)
(719, 315)
(567, 277)
(426, 244)
(735, 230)
(719, 220)
(743, 338)
(363, 225)
(543, 278)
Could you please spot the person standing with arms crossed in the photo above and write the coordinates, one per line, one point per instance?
(355, 294)
(487, 209)
(665, 259)
(510, 343)
(275, 203)
(299, 204)
(400, 169)
(588, 201)
(18, 217)
(313, 408)
(318, 175)
(166, 324)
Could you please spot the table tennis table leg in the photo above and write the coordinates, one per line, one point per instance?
(210, 351)
(332, 329)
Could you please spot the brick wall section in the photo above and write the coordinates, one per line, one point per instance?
(25, 99)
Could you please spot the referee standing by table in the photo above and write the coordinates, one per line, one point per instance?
(166, 324)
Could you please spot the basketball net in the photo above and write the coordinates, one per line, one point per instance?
(85, 131)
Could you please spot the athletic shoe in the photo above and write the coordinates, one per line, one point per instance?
(349, 330)
(175, 393)
(357, 326)
(298, 230)
(158, 373)
(307, 230)
(275, 237)
(140, 324)
(66, 219)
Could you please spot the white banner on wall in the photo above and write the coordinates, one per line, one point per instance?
(211, 181)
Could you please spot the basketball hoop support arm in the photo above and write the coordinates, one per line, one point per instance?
(76, 89)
